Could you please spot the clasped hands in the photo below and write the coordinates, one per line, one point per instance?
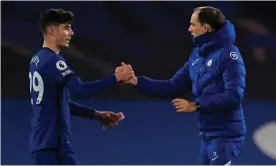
(125, 74)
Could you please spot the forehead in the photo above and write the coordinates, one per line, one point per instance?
(194, 16)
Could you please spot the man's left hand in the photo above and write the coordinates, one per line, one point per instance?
(182, 105)
(109, 119)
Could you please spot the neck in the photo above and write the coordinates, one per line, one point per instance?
(51, 45)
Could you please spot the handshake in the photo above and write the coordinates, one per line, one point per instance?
(125, 74)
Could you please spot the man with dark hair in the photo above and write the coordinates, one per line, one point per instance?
(215, 73)
(51, 82)
(210, 15)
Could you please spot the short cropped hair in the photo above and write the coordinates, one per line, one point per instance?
(55, 17)
(210, 15)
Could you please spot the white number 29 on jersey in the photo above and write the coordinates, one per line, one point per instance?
(36, 86)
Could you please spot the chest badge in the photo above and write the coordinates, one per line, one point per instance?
(209, 63)
(234, 56)
(195, 62)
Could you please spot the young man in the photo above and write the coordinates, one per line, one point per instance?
(215, 73)
(51, 82)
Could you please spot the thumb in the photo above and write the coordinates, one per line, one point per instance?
(123, 64)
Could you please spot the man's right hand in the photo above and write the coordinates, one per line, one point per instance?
(124, 73)
(133, 80)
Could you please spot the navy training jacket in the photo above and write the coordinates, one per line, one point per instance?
(215, 73)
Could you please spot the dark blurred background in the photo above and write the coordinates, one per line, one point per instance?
(153, 37)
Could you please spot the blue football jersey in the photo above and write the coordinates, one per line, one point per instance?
(50, 101)
(51, 82)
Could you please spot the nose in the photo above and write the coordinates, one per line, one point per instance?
(72, 33)
(190, 29)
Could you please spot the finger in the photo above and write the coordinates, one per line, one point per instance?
(183, 103)
(131, 73)
(128, 68)
(176, 103)
(180, 107)
(181, 110)
(118, 69)
(123, 64)
(121, 115)
(108, 115)
(176, 100)
(122, 68)
(173, 101)
(112, 115)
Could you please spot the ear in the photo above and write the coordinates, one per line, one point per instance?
(51, 30)
(207, 27)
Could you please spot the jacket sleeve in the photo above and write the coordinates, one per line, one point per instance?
(81, 111)
(174, 87)
(233, 74)
(64, 75)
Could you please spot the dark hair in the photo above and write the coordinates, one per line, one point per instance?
(55, 17)
(212, 16)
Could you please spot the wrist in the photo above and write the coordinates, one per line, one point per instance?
(97, 115)
(134, 81)
(118, 79)
(197, 105)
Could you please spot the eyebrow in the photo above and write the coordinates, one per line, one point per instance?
(68, 25)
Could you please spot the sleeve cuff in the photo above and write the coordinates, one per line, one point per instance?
(197, 106)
